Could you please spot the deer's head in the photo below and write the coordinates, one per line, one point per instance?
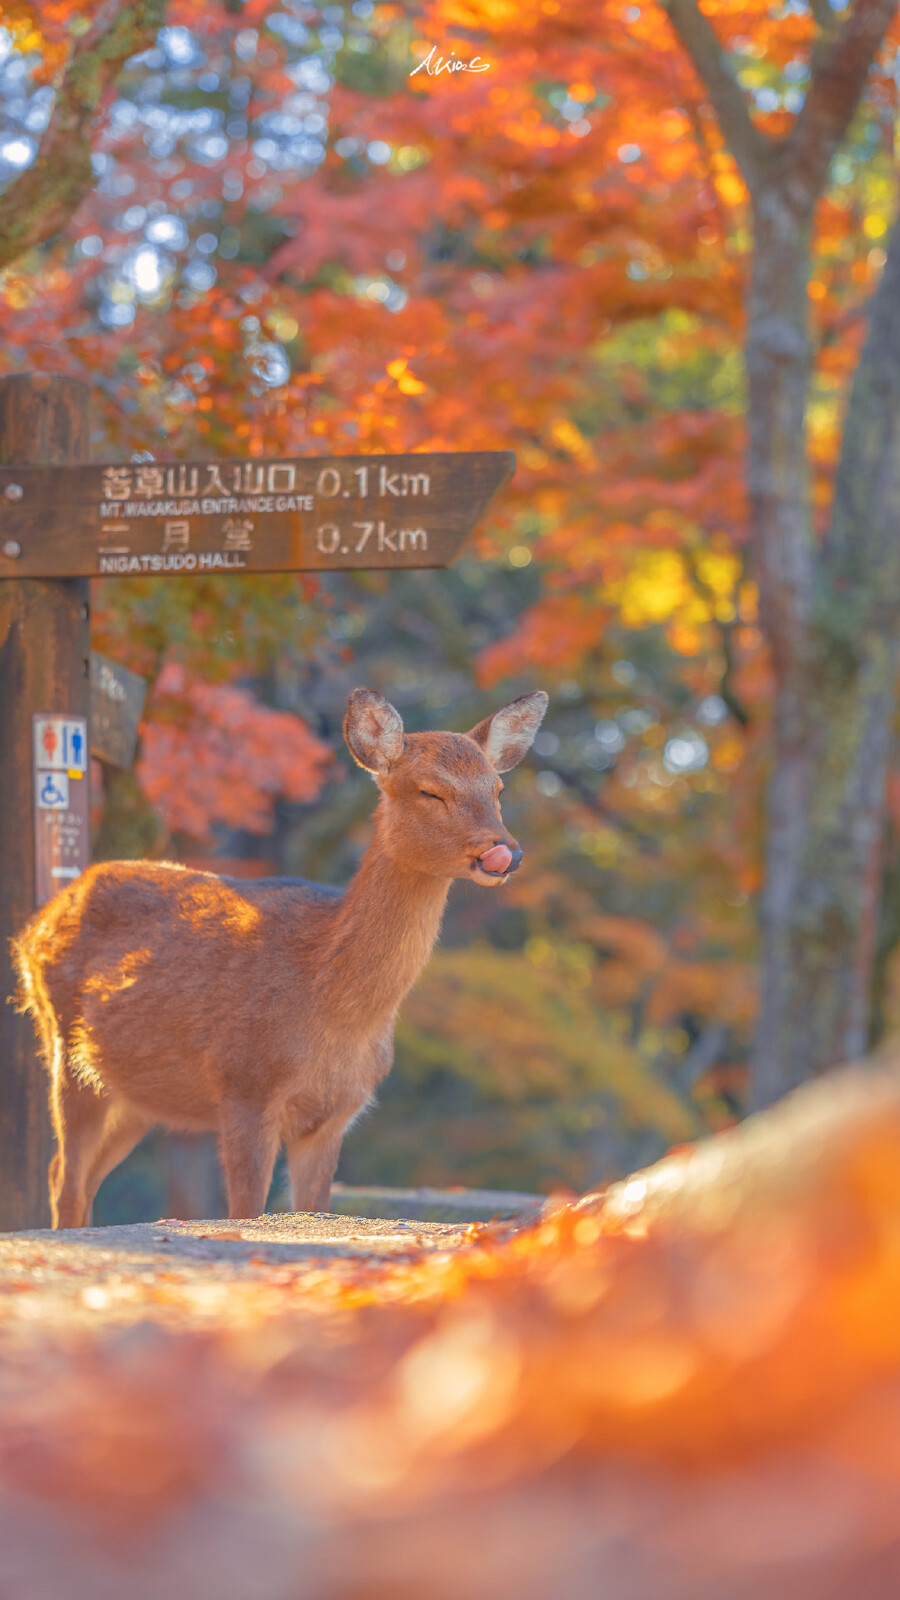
(440, 807)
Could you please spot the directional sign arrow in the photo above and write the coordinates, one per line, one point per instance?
(273, 515)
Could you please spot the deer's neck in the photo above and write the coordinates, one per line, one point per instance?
(384, 933)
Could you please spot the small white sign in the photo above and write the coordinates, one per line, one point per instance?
(51, 791)
(60, 743)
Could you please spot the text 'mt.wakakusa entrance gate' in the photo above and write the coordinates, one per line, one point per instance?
(64, 520)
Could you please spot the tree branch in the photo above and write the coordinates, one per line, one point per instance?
(38, 204)
(701, 42)
(862, 546)
(726, 634)
(592, 800)
(839, 68)
(840, 65)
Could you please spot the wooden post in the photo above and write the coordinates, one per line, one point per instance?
(44, 667)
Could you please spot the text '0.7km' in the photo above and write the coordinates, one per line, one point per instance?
(276, 515)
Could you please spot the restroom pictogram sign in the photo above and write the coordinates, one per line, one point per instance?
(61, 802)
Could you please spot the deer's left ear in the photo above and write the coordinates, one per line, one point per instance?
(373, 730)
(508, 735)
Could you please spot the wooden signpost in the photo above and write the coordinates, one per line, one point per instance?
(64, 520)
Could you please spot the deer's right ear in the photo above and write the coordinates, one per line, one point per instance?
(373, 730)
(508, 735)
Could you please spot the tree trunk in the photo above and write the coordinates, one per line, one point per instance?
(826, 821)
(829, 613)
(835, 702)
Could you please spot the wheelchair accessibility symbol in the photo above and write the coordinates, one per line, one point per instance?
(52, 791)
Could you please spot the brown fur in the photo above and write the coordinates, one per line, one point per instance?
(264, 1011)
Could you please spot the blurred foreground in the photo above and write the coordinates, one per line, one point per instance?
(688, 1387)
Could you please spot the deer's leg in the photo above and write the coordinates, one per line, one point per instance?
(122, 1128)
(54, 1180)
(312, 1160)
(249, 1141)
(78, 1115)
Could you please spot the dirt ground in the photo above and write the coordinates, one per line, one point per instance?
(85, 1276)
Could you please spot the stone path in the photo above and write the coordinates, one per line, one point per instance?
(177, 1271)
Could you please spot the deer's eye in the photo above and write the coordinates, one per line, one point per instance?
(429, 796)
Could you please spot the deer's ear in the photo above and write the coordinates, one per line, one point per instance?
(507, 736)
(373, 731)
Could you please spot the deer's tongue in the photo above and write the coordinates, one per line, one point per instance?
(497, 859)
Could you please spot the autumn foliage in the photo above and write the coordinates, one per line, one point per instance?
(687, 1385)
(212, 753)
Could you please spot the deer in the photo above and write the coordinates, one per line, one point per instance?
(262, 1010)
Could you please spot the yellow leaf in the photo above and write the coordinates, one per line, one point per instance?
(570, 438)
(731, 188)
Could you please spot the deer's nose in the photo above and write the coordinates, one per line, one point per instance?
(516, 861)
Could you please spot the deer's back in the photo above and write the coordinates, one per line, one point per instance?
(171, 939)
(165, 910)
(170, 982)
